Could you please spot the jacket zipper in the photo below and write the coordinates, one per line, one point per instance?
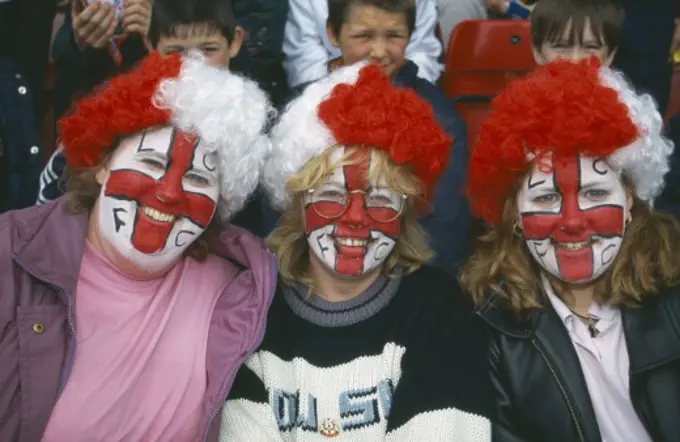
(69, 319)
(229, 383)
(72, 346)
(72, 328)
(562, 390)
(251, 351)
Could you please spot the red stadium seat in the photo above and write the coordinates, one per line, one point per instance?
(483, 56)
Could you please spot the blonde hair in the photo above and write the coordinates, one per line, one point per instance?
(646, 263)
(288, 242)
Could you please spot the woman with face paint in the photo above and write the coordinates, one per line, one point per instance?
(127, 306)
(578, 277)
(364, 341)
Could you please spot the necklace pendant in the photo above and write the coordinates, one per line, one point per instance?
(593, 330)
(329, 428)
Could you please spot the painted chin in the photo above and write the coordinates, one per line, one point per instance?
(576, 258)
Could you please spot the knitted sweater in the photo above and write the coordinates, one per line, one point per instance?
(403, 361)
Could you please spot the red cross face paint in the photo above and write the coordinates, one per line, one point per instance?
(352, 224)
(159, 197)
(573, 214)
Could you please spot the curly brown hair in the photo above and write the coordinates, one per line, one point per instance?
(646, 263)
(82, 186)
(83, 190)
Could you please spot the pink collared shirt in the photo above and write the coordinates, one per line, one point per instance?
(605, 365)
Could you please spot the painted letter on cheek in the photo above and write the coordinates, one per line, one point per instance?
(353, 242)
(573, 217)
(147, 210)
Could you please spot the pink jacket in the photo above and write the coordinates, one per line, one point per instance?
(40, 254)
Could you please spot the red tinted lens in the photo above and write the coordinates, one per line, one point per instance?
(383, 215)
(329, 209)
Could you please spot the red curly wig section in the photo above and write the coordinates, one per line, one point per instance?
(123, 107)
(374, 113)
(560, 108)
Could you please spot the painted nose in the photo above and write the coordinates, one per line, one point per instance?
(169, 190)
(574, 220)
(356, 214)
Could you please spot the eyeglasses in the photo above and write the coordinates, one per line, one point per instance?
(383, 205)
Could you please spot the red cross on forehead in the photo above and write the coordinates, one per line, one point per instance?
(181, 153)
(566, 174)
(356, 221)
(356, 173)
(355, 177)
(166, 195)
(132, 184)
(573, 223)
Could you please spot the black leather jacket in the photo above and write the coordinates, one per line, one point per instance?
(541, 393)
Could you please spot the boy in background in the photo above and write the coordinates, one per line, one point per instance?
(308, 50)
(639, 41)
(174, 26)
(576, 29)
(178, 26)
(379, 31)
(208, 26)
(244, 35)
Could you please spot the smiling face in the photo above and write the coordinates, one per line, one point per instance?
(573, 215)
(352, 223)
(159, 193)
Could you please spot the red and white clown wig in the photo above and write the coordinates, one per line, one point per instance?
(353, 215)
(564, 110)
(226, 112)
(355, 106)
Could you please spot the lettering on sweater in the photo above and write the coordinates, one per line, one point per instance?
(356, 395)
(359, 407)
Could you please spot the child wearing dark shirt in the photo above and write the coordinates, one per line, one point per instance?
(379, 31)
(175, 26)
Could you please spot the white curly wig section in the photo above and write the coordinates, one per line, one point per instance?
(646, 160)
(299, 135)
(229, 114)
